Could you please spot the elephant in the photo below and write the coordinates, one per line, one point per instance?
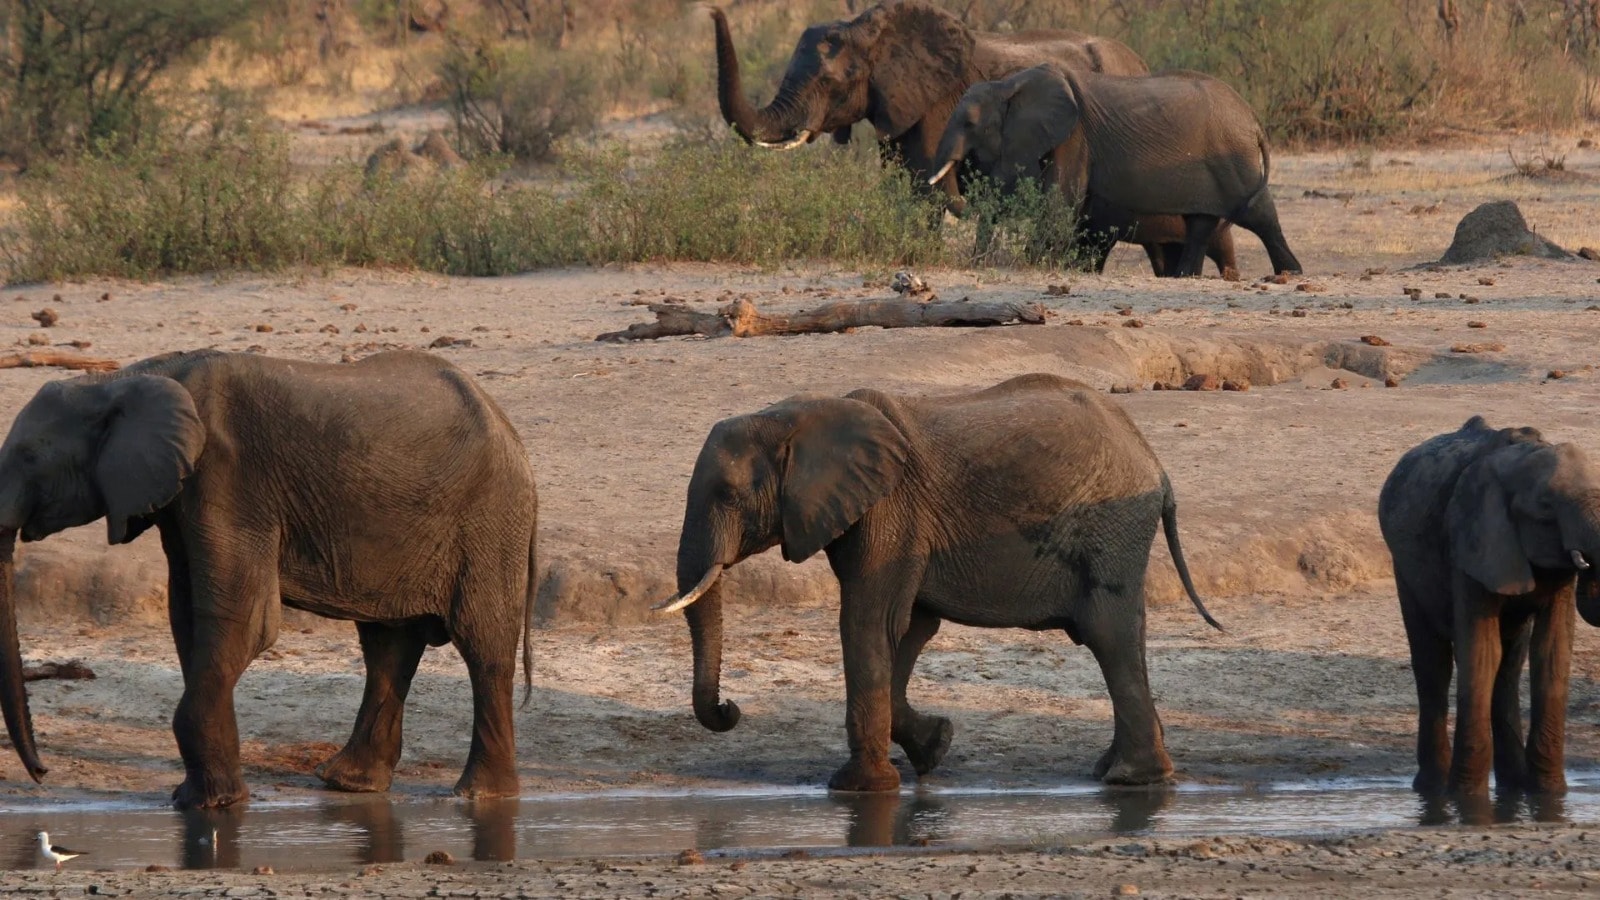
(391, 491)
(1030, 504)
(900, 65)
(1492, 532)
(1177, 143)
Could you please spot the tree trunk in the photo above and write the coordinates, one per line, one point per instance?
(740, 318)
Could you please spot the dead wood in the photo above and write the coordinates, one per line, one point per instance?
(70, 670)
(29, 359)
(741, 319)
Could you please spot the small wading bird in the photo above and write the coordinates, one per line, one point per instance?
(55, 852)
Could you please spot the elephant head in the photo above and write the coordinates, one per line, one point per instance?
(1529, 505)
(1007, 127)
(893, 65)
(118, 447)
(797, 474)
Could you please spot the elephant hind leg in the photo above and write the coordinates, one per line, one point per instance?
(368, 759)
(1549, 676)
(1198, 230)
(1260, 218)
(925, 739)
(1505, 705)
(1115, 634)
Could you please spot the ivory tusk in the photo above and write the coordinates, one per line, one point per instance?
(673, 604)
(939, 175)
(798, 139)
(1579, 561)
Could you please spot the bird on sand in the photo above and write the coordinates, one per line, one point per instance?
(55, 852)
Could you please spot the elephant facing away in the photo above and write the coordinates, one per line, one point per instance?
(900, 65)
(392, 492)
(1173, 144)
(1031, 504)
(1492, 532)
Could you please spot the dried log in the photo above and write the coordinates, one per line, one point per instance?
(741, 319)
(29, 359)
(70, 670)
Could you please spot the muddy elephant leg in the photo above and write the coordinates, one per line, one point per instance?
(1477, 652)
(1261, 219)
(1197, 232)
(1550, 654)
(368, 759)
(1114, 631)
(1431, 662)
(925, 739)
(1505, 705)
(1221, 252)
(866, 632)
(487, 639)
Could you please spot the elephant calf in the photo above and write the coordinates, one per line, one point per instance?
(392, 492)
(1031, 504)
(1491, 531)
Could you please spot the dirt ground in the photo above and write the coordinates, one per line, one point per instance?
(1277, 489)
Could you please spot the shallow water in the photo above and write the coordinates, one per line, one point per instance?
(344, 831)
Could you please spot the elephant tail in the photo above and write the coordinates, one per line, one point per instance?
(1266, 177)
(527, 619)
(1169, 524)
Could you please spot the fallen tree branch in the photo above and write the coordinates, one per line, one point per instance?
(740, 318)
(29, 359)
(70, 670)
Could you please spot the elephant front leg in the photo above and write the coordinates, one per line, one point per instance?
(1116, 637)
(368, 759)
(1550, 655)
(1478, 653)
(925, 739)
(864, 623)
(206, 730)
(1505, 706)
(1431, 664)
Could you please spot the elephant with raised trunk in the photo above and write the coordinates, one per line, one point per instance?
(1173, 144)
(1493, 532)
(1031, 504)
(392, 492)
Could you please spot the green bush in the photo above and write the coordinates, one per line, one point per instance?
(517, 99)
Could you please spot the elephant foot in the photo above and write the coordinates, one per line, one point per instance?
(1429, 783)
(866, 778)
(1115, 767)
(347, 771)
(203, 791)
(1553, 783)
(926, 742)
(482, 782)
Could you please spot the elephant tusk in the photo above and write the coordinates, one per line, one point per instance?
(798, 139)
(1579, 561)
(939, 175)
(673, 604)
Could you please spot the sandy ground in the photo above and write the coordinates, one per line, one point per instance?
(1277, 488)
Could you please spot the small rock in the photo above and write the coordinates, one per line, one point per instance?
(105, 298)
(348, 307)
(1469, 299)
(1133, 323)
(1589, 253)
(1413, 293)
(1242, 384)
(446, 340)
(1202, 382)
(1554, 374)
(263, 328)
(1592, 308)
(46, 317)
(1057, 290)
(1486, 347)
(1123, 388)
(1158, 386)
(1280, 278)
(38, 340)
(369, 871)
(262, 870)
(1339, 384)
(361, 328)
(1311, 287)
(1391, 381)
(1486, 281)
(426, 329)
(690, 857)
(1374, 340)
(1441, 295)
(154, 867)
(1298, 313)
(439, 858)
(1125, 890)
(330, 328)
(1585, 144)
(1477, 324)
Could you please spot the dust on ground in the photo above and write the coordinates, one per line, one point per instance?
(1276, 486)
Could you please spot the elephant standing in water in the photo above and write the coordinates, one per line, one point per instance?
(1173, 144)
(392, 492)
(1031, 504)
(1492, 532)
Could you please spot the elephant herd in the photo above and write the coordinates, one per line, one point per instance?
(393, 492)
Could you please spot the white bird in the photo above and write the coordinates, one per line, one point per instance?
(55, 852)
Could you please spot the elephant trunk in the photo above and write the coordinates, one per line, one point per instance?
(1582, 536)
(952, 149)
(699, 568)
(756, 126)
(13, 689)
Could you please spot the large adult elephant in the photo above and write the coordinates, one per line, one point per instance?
(1492, 533)
(1176, 143)
(392, 492)
(1031, 504)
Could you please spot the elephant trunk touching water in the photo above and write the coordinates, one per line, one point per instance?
(13, 691)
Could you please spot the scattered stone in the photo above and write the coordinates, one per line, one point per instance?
(1592, 308)
(1280, 278)
(262, 870)
(1339, 384)
(439, 858)
(1057, 290)
(105, 298)
(1477, 324)
(445, 340)
(1074, 322)
(46, 317)
(1242, 384)
(329, 328)
(1585, 144)
(1497, 229)
(1391, 381)
(1555, 374)
(71, 670)
(690, 857)
(1199, 382)
(1469, 299)
(154, 867)
(366, 871)
(263, 328)
(1133, 323)
(1413, 293)
(1589, 253)
(1374, 340)
(360, 328)
(1123, 388)
(426, 329)
(348, 307)
(1298, 313)
(1125, 890)
(1486, 281)
(1441, 295)
(38, 340)
(1311, 287)
(1485, 347)
(1423, 210)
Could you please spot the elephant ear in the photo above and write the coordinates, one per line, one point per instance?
(1483, 539)
(843, 457)
(1041, 113)
(921, 62)
(153, 440)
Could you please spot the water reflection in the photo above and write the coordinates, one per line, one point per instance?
(1504, 808)
(494, 828)
(211, 838)
(383, 839)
